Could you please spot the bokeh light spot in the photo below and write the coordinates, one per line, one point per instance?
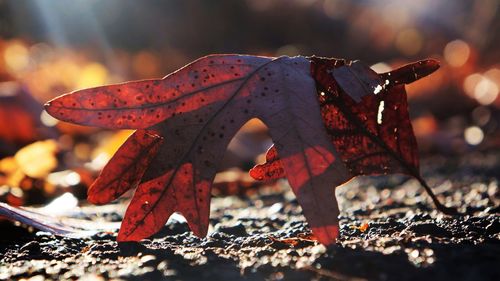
(409, 41)
(481, 115)
(456, 53)
(16, 57)
(145, 64)
(48, 120)
(92, 75)
(485, 91)
(473, 135)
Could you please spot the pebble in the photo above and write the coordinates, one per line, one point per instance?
(237, 229)
(429, 229)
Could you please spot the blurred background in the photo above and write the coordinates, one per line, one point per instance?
(50, 47)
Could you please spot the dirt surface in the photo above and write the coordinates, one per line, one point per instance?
(389, 231)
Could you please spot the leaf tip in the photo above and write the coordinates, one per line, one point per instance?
(53, 108)
(199, 230)
(326, 235)
(47, 105)
(425, 67)
(256, 173)
(95, 199)
(96, 196)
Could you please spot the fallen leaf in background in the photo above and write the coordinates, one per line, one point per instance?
(38, 159)
(11, 195)
(55, 220)
(19, 116)
(28, 177)
(27, 171)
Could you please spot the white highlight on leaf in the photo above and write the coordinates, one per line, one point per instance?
(379, 114)
(377, 89)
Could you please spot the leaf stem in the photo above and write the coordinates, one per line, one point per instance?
(411, 170)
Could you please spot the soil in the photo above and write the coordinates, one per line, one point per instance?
(389, 231)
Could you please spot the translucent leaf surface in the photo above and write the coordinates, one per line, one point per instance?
(197, 110)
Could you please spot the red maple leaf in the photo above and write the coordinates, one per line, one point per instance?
(186, 121)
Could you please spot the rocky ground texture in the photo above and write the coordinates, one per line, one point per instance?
(389, 231)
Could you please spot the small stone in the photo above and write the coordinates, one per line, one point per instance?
(237, 230)
(429, 229)
(148, 259)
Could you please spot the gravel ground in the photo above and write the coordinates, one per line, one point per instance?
(389, 231)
